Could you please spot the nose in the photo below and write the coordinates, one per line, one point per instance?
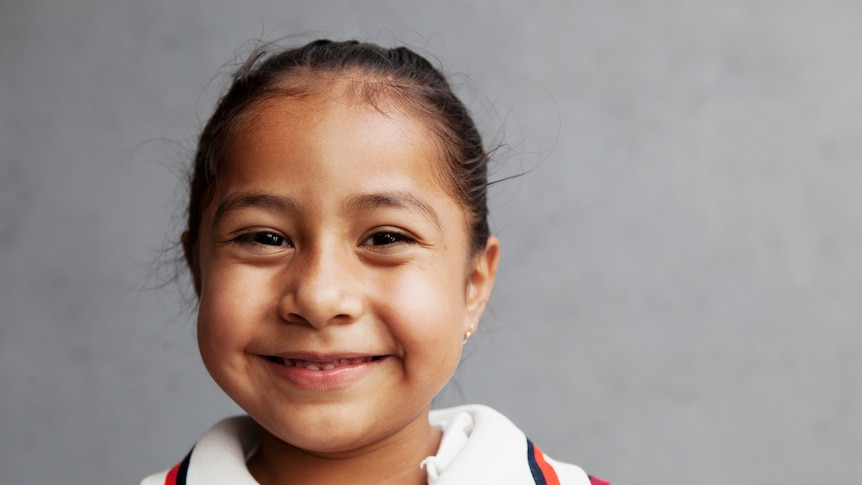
(322, 288)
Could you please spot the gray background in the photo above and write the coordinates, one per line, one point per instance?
(680, 293)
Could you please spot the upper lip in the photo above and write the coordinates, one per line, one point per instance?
(322, 357)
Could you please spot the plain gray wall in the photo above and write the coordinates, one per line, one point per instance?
(681, 286)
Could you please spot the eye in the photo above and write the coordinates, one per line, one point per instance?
(264, 238)
(387, 238)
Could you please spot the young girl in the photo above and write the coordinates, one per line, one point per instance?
(338, 243)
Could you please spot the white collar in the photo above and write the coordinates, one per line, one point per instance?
(479, 445)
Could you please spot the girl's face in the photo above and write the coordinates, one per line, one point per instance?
(335, 279)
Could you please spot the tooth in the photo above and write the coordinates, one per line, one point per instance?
(322, 365)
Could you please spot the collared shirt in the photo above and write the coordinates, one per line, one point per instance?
(479, 445)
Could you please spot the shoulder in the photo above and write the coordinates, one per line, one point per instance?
(497, 451)
(218, 457)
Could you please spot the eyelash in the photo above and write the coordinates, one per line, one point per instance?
(263, 238)
(392, 238)
(270, 238)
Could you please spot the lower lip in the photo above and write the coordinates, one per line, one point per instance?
(324, 380)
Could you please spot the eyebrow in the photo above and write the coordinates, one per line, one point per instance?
(363, 202)
(244, 200)
(397, 200)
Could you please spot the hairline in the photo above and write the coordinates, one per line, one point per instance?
(390, 100)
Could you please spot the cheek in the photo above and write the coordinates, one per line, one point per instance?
(425, 313)
(227, 313)
(215, 335)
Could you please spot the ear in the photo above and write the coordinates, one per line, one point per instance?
(190, 254)
(480, 282)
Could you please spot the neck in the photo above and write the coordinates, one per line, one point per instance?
(394, 459)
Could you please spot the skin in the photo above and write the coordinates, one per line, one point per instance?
(330, 235)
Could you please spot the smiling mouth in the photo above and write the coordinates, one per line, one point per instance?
(321, 365)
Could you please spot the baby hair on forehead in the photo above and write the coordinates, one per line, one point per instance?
(385, 78)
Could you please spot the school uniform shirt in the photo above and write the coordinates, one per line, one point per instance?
(479, 446)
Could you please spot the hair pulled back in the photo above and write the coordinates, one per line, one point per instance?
(397, 76)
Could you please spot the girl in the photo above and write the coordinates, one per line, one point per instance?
(338, 243)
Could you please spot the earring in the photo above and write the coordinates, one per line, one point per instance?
(467, 335)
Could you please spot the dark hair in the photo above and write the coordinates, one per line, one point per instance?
(398, 76)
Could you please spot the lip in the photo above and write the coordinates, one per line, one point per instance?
(322, 372)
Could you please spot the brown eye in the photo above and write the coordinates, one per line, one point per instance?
(265, 238)
(387, 238)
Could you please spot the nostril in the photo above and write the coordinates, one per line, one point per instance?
(305, 306)
(295, 318)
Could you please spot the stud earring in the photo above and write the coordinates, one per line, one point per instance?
(467, 335)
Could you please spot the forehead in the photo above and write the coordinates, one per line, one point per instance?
(331, 144)
(313, 98)
(330, 130)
